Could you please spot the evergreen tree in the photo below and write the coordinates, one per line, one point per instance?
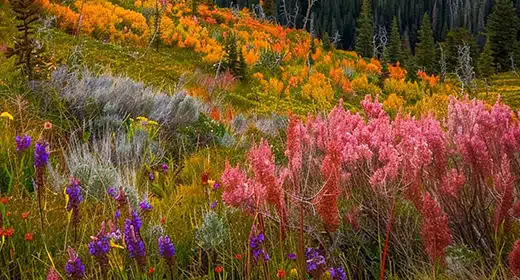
(502, 28)
(425, 51)
(231, 60)
(454, 39)
(269, 7)
(365, 30)
(326, 42)
(234, 60)
(26, 49)
(395, 52)
(408, 59)
(485, 64)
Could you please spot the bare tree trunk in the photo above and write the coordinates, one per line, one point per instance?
(308, 14)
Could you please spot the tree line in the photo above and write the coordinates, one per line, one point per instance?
(418, 33)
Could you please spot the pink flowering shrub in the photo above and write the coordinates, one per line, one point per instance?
(460, 174)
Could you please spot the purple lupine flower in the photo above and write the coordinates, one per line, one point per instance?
(74, 192)
(145, 205)
(117, 214)
(166, 249)
(164, 167)
(41, 156)
(115, 233)
(151, 177)
(112, 192)
(255, 243)
(314, 259)
(22, 143)
(214, 204)
(74, 268)
(291, 256)
(133, 240)
(216, 186)
(99, 247)
(337, 273)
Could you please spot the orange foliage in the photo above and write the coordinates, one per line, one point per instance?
(431, 81)
(396, 72)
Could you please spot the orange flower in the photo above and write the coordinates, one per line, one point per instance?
(238, 257)
(47, 125)
(4, 200)
(25, 215)
(8, 214)
(151, 270)
(28, 237)
(215, 115)
(163, 220)
(281, 274)
(219, 269)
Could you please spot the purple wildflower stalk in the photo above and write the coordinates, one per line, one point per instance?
(256, 245)
(22, 143)
(337, 273)
(74, 267)
(133, 240)
(41, 158)
(166, 249)
(74, 192)
(99, 248)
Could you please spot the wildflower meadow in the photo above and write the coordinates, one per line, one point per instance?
(172, 139)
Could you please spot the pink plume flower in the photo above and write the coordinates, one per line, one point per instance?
(514, 259)
(435, 231)
(504, 184)
(326, 201)
(262, 162)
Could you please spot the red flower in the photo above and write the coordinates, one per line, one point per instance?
(204, 177)
(281, 274)
(4, 200)
(28, 237)
(163, 220)
(514, 259)
(8, 213)
(47, 125)
(435, 231)
(219, 269)
(8, 232)
(25, 215)
(151, 270)
(238, 257)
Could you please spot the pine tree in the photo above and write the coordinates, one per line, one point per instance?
(409, 61)
(365, 30)
(231, 60)
(454, 39)
(502, 28)
(326, 42)
(395, 52)
(269, 7)
(425, 51)
(26, 50)
(485, 64)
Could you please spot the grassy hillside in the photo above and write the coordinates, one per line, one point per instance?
(254, 150)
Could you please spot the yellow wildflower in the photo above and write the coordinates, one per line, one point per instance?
(6, 115)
